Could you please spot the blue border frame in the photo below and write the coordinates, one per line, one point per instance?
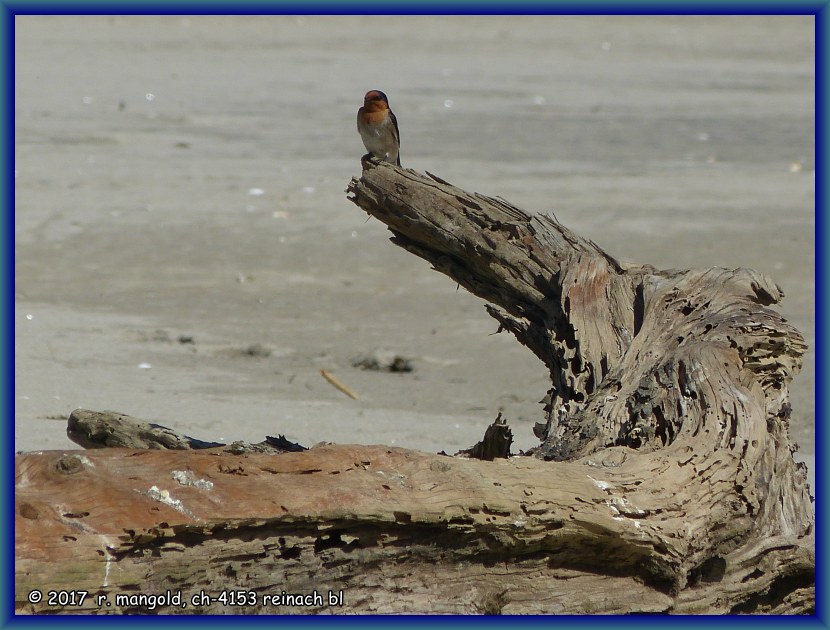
(821, 269)
(10, 8)
(7, 291)
(430, 7)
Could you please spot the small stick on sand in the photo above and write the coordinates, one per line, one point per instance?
(331, 379)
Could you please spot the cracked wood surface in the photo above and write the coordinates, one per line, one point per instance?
(351, 518)
(396, 530)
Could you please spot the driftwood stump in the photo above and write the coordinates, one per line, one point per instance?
(663, 482)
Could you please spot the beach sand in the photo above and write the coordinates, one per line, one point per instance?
(185, 251)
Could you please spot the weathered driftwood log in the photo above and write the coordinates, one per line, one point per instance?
(687, 371)
(110, 429)
(672, 486)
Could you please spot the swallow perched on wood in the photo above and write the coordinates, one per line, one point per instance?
(378, 127)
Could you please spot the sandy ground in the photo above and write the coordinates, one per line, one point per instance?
(180, 197)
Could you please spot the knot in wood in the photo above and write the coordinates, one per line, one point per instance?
(70, 464)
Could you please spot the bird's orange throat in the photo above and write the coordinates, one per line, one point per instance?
(374, 117)
(371, 107)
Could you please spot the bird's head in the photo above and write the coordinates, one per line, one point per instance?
(375, 101)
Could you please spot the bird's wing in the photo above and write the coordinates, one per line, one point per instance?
(395, 125)
(397, 136)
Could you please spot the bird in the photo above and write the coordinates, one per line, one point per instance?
(378, 127)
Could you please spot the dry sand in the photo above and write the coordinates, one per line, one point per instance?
(180, 197)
